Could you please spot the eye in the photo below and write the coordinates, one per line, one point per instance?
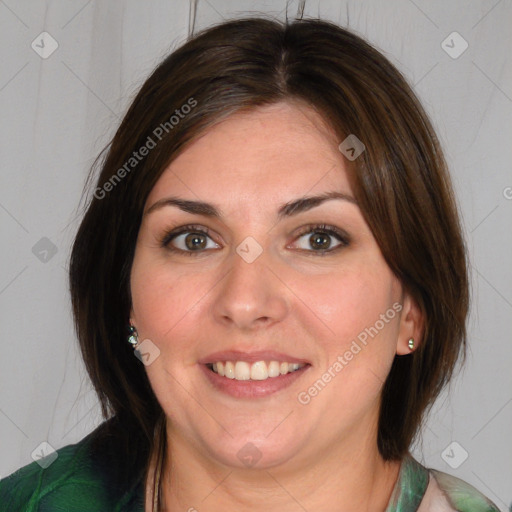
(188, 240)
(320, 237)
(192, 240)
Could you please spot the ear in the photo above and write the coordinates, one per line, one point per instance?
(132, 317)
(412, 324)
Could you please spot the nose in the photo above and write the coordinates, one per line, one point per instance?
(251, 294)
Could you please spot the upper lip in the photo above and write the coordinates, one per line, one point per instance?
(251, 357)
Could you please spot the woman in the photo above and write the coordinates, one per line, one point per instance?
(274, 231)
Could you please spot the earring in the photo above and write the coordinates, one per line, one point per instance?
(411, 343)
(133, 338)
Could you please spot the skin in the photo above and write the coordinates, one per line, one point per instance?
(289, 299)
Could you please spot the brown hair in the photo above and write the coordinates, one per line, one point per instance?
(400, 181)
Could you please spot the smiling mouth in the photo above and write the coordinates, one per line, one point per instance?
(259, 370)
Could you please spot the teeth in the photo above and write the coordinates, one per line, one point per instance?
(273, 369)
(242, 370)
(229, 369)
(260, 370)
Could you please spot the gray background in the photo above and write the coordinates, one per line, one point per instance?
(59, 112)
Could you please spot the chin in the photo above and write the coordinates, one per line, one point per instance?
(255, 451)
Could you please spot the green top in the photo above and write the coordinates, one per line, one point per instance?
(77, 481)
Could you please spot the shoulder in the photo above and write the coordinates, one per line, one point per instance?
(461, 496)
(72, 479)
(49, 482)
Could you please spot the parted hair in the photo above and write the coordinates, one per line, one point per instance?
(400, 181)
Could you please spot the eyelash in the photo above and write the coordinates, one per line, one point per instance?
(314, 228)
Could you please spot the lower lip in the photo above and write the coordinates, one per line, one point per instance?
(252, 388)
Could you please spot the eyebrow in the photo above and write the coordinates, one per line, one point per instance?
(288, 209)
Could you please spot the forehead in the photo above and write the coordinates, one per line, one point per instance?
(265, 155)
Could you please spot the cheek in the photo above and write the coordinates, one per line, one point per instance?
(362, 310)
(162, 296)
(351, 302)
(357, 305)
(165, 305)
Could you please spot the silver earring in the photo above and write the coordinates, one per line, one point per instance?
(411, 343)
(133, 338)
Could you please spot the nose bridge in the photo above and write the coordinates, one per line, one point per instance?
(250, 291)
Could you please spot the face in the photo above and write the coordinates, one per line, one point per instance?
(260, 281)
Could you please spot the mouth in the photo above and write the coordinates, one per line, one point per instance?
(251, 375)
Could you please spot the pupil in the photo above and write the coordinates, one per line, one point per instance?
(192, 238)
(315, 241)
